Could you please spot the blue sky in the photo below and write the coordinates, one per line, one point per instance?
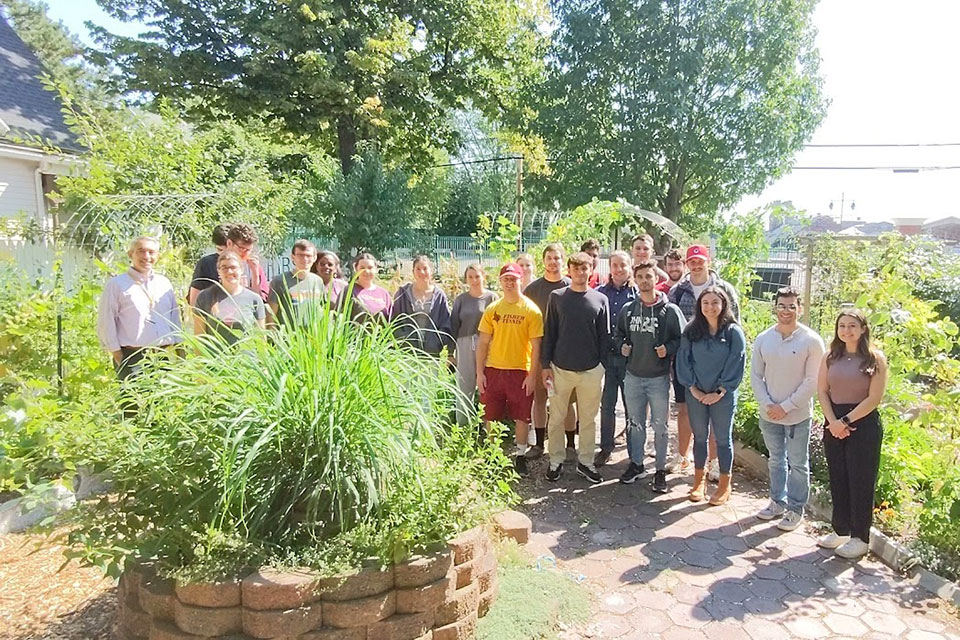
(890, 72)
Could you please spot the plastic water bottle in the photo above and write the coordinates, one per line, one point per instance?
(550, 391)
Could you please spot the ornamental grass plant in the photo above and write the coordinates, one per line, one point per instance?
(321, 445)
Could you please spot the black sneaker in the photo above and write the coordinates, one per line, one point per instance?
(601, 458)
(633, 472)
(520, 465)
(592, 475)
(660, 481)
(553, 472)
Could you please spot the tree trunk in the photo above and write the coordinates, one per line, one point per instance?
(346, 142)
(671, 205)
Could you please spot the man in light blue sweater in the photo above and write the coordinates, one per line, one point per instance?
(783, 374)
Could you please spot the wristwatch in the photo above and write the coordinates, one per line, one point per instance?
(845, 420)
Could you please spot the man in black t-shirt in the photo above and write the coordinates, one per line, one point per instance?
(539, 291)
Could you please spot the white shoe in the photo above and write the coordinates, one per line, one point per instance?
(771, 511)
(832, 541)
(854, 548)
(713, 471)
(790, 521)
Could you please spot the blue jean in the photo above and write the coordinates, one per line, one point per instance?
(615, 368)
(789, 462)
(720, 415)
(639, 393)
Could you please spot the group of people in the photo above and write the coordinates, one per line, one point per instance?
(550, 355)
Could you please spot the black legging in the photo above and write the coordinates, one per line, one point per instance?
(853, 463)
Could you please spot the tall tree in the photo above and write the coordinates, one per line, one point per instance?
(681, 106)
(342, 71)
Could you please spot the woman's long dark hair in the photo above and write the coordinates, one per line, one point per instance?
(865, 350)
(699, 328)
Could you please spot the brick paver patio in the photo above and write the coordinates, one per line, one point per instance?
(663, 567)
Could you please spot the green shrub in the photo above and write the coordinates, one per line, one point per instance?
(326, 445)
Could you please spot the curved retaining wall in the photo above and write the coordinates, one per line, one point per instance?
(430, 597)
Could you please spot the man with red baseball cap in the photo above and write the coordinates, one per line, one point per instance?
(685, 294)
(508, 357)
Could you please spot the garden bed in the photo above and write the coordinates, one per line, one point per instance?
(439, 596)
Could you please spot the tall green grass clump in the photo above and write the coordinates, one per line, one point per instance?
(321, 445)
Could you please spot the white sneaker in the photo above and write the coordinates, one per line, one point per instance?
(771, 511)
(854, 548)
(832, 541)
(790, 521)
(713, 471)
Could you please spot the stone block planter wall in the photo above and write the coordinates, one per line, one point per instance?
(430, 597)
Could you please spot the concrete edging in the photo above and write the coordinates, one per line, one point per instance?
(892, 553)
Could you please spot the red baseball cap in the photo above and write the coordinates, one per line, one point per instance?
(511, 269)
(698, 251)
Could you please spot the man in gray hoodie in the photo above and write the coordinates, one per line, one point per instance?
(648, 333)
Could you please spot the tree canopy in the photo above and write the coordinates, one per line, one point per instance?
(681, 107)
(339, 71)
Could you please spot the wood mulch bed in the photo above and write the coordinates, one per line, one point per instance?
(39, 600)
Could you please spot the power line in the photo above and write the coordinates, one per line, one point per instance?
(869, 145)
(900, 169)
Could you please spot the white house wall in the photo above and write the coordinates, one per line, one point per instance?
(18, 191)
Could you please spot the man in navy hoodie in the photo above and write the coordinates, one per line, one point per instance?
(648, 334)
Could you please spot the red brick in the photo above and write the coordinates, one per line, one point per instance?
(421, 570)
(487, 598)
(425, 598)
(269, 589)
(486, 572)
(207, 621)
(459, 605)
(464, 573)
(156, 598)
(281, 623)
(360, 612)
(460, 630)
(513, 525)
(401, 626)
(225, 593)
(326, 633)
(468, 545)
(367, 582)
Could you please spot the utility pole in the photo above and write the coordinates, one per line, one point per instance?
(520, 246)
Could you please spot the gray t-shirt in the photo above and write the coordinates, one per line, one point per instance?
(229, 315)
(467, 311)
(296, 297)
(540, 289)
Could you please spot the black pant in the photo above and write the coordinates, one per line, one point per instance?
(853, 464)
(130, 358)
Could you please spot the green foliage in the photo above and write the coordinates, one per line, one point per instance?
(321, 445)
(596, 219)
(680, 107)
(369, 209)
(41, 432)
(740, 245)
(340, 73)
(500, 238)
(135, 153)
(533, 602)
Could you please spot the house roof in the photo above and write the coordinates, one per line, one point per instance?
(27, 109)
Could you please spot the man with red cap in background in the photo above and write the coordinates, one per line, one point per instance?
(508, 359)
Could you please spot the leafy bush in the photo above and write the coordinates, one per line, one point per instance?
(324, 445)
(40, 429)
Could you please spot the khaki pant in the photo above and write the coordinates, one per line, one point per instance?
(588, 386)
